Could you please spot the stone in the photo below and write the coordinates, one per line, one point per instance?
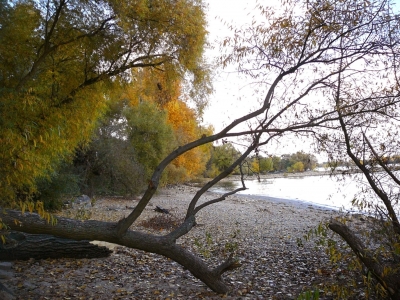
(83, 201)
(5, 265)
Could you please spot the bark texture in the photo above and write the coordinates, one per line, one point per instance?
(108, 232)
(22, 246)
(387, 274)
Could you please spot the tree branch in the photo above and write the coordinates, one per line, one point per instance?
(387, 276)
(380, 162)
(219, 199)
(358, 247)
(229, 264)
(106, 231)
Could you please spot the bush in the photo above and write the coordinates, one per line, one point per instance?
(109, 167)
(53, 190)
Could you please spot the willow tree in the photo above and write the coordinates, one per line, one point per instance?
(58, 59)
(326, 69)
(171, 95)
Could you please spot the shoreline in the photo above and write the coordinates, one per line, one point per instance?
(264, 232)
(292, 175)
(293, 202)
(303, 204)
(256, 189)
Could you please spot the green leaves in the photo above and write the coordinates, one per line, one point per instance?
(58, 61)
(309, 295)
(223, 156)
(149, 134)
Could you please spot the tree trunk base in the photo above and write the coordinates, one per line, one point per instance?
(23, 246)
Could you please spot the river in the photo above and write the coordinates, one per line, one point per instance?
(321, 190)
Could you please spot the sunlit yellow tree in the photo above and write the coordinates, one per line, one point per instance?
(329, 70)
(58, 59)
(186, 128)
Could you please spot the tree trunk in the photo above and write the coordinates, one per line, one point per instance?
(380, 269)
(108, 232)
(24, 246)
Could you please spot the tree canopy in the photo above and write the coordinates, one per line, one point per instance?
(328, 70)
(60, 59)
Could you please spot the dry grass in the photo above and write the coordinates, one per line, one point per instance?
(162, 222)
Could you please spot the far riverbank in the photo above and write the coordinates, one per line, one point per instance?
(325, 189)
(292, 175)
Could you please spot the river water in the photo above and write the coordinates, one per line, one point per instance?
(326, 191)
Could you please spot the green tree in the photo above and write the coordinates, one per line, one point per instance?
(276, 161)
(309, 161)
(266, 164)
(285, 162)
(223, 156)
(59, 60)
(258, 164)
(345, 53)
(296, 167)
(149, 134)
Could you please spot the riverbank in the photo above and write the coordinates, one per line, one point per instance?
(313, 187)
(265, 236)
(291, 175)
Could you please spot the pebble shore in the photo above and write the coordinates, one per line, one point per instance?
(264, 234)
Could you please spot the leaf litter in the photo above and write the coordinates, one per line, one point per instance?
(263, 236)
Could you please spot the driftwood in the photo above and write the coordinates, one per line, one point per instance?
(161, 210)
(23, 246)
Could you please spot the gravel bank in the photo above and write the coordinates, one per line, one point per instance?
(263, 233)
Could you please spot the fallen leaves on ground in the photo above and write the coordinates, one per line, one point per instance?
(262, 235)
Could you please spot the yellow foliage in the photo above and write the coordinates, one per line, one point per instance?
(36, 143)
(183, 121)
(255, 166)
(156, 86)
(164, 90)
(39, 208)
(53, 82)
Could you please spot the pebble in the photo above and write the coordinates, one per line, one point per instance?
(272, 263)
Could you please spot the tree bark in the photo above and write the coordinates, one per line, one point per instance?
(390, 280)
(108, 232)
(24, 246)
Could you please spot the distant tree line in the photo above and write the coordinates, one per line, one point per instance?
(372, 162)
(223, 156)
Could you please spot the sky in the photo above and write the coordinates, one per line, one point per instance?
(233, 96)
(226, 104)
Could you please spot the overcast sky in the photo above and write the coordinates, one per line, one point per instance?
(233, 96)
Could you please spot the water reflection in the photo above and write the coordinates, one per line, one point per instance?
(320, 190)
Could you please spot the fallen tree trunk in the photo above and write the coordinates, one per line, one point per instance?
(23, 246)
(108, 232)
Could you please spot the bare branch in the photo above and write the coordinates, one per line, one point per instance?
(229, 264)
(380, 162)
(219, 199)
